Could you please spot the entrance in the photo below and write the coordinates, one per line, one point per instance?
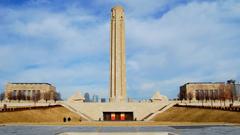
(117, 116)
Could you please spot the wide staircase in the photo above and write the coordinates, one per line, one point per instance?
(150, 116)
(84, 116)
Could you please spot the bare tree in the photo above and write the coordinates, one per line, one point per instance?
(229, 88)
(56, 96)
(232, 96)
(222, 96)
(19, 96)
(47, 96)
(24, 97)
(190, 96)
(10, 96)
(201, 96)
(2, 96)
(36, 97)
(211, 96)
(206, 95)
(180, 97)
(215, 96)
(28, 97)
(197, 95)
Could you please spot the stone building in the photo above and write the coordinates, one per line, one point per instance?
(29, 91)
(207, 90)
(237, 91)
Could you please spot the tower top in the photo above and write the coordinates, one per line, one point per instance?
(118, 7)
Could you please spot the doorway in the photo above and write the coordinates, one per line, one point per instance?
(118, 116)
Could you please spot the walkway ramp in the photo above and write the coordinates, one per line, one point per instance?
(161, 110)
(75, 111)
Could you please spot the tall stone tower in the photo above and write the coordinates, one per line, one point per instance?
(117, 58)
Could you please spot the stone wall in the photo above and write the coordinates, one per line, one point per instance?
(95, 110)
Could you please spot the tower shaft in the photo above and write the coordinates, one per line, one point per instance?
(117, 56)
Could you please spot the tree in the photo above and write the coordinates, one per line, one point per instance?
(189, 96)
(197, 95)
(19, 95)
(180, 97)
(2, 96)
(211, 97)
(56, 96)
(201, 96)
(36, 96)
(222, 96)
(28, 97)
(232, 97)
(47, 96)
(10, 96)
(24, 97)
(229, 90)
(14, 95)
(206, 95)
(215, 95)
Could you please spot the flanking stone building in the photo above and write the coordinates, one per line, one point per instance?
(209, 90)
(29, 91)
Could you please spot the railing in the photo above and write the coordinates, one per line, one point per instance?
(224, 108)
(147, 116)
(11, 109)
(76, 111)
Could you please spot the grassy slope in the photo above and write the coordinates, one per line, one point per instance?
(183, 114)
(51, 114)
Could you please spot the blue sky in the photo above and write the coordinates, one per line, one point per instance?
(168, 43)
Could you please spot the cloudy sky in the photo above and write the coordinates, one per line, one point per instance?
(168, 43)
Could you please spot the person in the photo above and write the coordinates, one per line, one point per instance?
(69, 119)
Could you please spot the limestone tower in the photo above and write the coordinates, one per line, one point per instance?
(117, 56)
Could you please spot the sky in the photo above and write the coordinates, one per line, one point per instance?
(168, 43)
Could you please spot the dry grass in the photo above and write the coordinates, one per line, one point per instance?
(173, 116)
(43, 115)
(183, 114)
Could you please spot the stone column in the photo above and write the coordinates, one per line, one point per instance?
(117, 56)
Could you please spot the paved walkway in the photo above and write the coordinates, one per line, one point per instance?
(117, 133)
(138, 130)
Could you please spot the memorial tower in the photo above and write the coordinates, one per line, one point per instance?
(117, 56)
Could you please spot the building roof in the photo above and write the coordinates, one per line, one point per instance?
(204, 83)
(30, 83)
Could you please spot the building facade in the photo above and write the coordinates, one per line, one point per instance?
(207, 91)
(29, 91)
(237, 91)
(95, 98)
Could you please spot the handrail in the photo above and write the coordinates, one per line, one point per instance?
(76, 111)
